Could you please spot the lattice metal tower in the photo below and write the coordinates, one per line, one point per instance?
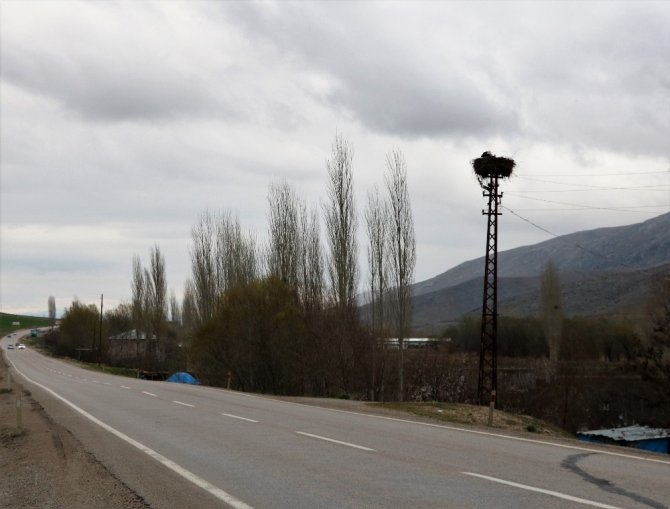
(489, 170)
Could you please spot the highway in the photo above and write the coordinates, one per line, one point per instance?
(190, 446)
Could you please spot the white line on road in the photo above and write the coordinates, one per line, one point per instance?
(179, 470)
(556, 494)
(124, 386)
(149, 394)
(484, 433)
(335, 441)
(238, 417)
(184, 404)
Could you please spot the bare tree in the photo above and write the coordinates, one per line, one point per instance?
(138, 298)
(311, 260)
(377, 223)
(235, 254)
(175, 309)
(402, 250)
(222, 257)
(157, 289)
(189, 308)
(52, 309)
(203, 265)
(340, 215)
(284, 233)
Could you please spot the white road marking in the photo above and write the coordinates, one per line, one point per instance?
(179, 470)
(556, 494)
(238, 417)
(149, 394)
(348, 444)
(476, 432)
(182, 403)
(124, 386)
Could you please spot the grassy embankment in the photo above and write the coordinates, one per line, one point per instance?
(26, 322)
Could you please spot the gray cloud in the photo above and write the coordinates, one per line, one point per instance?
(583, 75)
(383, 81)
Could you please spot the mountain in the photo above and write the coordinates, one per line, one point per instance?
(605, 271)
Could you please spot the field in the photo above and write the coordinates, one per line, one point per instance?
(26, 322)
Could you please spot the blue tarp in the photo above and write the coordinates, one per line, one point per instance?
(183, 378)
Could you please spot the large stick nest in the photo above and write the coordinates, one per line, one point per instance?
(489, 165)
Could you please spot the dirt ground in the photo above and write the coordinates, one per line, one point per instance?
(43, 465)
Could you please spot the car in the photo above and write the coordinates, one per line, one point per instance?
(10, 347)
(22, 346)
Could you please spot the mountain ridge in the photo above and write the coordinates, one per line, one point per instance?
(603, 271)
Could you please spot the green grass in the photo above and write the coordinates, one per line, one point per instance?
(129, 372)
(27, 322)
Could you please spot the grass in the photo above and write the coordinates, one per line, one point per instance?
(27, 322)
(111, 370)
(475, 416)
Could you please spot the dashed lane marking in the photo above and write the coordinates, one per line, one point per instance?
(332, 440)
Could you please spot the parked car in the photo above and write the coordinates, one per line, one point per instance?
(22, 346)
(10, 347)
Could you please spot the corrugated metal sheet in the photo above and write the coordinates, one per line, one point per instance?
(629, 433)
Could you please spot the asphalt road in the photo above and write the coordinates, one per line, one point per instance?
(189, 446)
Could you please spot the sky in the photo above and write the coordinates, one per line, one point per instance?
(122, 122)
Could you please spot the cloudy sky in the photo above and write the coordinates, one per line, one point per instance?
(121, 122)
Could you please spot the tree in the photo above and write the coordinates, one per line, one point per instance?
(311, 261)
(138, 297)
(78, 330)
(156, 295)
(655, 355)
(377, 223)
(222, 257)
(340, 215)
(284, 233)
(52, 309)
(340, 219)
(552, 311)
(203, 266)
(175, 309)
(258, 335)
(402, 250)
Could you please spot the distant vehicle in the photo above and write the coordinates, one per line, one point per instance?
(22, 346)
(10, 347)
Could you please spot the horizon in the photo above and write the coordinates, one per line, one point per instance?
(122, 122)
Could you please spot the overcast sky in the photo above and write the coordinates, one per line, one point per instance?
(121, 122)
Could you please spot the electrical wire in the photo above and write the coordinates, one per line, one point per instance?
(579, 206)
(574, 244)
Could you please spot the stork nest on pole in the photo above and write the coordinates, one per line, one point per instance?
(489, 165)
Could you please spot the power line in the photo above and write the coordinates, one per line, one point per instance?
(574, 244)
(590, 207)
(591, 186)
(662, 188)
(599, 174)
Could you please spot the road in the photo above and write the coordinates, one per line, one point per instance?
(189, 446)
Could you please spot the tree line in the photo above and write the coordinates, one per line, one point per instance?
(283, 316)
(243, 297)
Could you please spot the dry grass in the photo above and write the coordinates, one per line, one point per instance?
(475, 416)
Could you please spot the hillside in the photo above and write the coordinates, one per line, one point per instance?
(603, 272)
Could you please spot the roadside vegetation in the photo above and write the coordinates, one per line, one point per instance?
(282, 317)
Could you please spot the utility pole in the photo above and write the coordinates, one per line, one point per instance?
(100, 336)
(489, 170)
